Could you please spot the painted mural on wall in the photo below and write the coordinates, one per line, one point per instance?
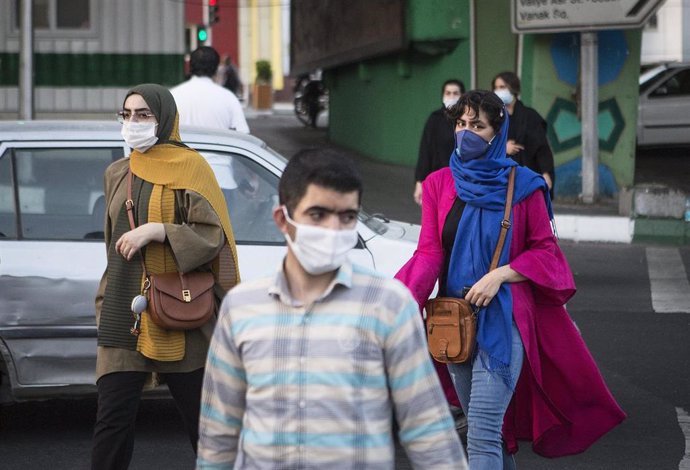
(563, 117)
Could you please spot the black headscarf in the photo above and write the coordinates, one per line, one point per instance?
(162, 105)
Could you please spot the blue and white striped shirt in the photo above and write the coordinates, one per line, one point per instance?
(318, 386)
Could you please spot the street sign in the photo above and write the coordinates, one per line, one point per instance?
(551, 16)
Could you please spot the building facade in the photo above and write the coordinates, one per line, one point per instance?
(87, 53)
(666, 37)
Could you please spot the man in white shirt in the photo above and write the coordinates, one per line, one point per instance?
(202, 102)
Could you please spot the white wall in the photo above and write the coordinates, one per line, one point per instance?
(122, 26)
(119, 27)
(665, 41)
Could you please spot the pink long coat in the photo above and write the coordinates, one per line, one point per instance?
(561, 402)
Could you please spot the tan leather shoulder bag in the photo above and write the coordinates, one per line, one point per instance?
(451, 323)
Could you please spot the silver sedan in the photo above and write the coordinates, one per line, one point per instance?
(52, 253)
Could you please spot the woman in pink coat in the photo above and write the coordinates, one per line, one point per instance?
(531, 376)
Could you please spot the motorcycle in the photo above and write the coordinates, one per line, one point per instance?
(311, 98)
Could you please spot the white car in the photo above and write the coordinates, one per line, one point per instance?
(663, 115)
(51, 240)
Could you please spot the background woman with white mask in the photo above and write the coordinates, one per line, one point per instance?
(438, 138)
(182, 225)
(527, 143)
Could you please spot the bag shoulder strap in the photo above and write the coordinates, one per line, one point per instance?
(129, 205)
(505, 223)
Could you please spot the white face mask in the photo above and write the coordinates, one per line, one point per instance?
(448, 102)
(139, 135)
(505, 95)
(320, 250)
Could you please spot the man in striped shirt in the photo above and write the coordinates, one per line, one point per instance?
(311, 368)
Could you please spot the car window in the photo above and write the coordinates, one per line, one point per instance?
(648, 78)
(8, 219)
(251, 193)
(60, 191)
(677, 85)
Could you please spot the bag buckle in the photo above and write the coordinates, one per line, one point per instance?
(505, 223)
(186, 295)
(444, 349)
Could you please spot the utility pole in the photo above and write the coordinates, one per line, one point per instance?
(26, 62)
(589, 72)
(205, 19)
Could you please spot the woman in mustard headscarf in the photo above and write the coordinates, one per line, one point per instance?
(182, 224)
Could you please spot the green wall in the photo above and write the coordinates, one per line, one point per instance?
(378, 107)
(496, 45)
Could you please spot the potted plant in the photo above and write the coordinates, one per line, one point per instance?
(262, 98)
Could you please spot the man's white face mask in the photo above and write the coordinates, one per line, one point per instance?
(139, 135)
(505, 95)
(318, 249)
(448, 102)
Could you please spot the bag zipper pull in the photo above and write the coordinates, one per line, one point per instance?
(134, 331)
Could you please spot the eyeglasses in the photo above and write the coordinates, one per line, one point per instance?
(125, 115)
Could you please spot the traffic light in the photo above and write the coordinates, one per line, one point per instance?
(213, 12)
(201, 33)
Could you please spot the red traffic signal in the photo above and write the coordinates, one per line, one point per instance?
(213, 11)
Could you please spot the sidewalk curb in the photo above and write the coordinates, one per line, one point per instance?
(620, 229)
(666, 231)
(279, 108)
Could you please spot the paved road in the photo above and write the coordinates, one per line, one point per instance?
(644, 354)
(669, 167)
(387, 188)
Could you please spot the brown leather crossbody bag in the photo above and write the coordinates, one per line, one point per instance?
(176, 301)
(451, 323)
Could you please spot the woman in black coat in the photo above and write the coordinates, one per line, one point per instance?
(527, 143)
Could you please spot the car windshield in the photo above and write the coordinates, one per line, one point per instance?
(375, 222)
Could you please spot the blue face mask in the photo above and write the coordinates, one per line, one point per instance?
(470, 146)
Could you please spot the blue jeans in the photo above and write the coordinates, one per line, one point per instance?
(484, 398)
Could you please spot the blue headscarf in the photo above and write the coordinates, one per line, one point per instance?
(482, 183)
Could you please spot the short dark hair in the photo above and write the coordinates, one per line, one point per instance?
(476, 100)
(204, 61)
(453, 81)
(322, 167)
(510, 79)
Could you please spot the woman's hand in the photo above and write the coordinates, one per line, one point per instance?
(132, 241)
(547, 178)
(485, 289)
(513, 147)
(418, 193)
